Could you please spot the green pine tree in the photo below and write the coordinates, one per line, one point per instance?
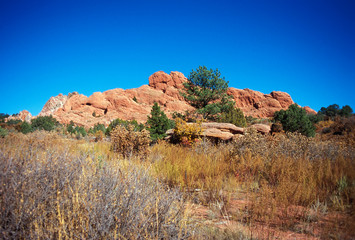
(206, 90)
(158, 123)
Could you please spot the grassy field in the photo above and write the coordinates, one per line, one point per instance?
(258, 187)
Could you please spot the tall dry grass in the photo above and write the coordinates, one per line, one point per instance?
(284, 179)
(55, 188)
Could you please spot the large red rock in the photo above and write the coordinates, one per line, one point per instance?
(257, 104)
(53, 104)
(24, 115)
(137, 103)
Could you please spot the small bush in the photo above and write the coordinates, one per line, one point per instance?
(234, 116)
(99, 136)
(47, 123)
(295, 119)
(276, 128)
(119, 122)
(187, 133)
(3, 132)
(26, 127)
(128, 142)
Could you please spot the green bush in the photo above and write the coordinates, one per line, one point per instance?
(234, 116)
(119, 122)
(13, 122)
(295, 119)
(26, 127)
(81, 131)
(158, 123)
(3, 132)
(47, 123)
(70, 128)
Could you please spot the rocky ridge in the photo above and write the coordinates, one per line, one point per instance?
(136, 103)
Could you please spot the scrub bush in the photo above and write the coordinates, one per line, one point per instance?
(127, 142)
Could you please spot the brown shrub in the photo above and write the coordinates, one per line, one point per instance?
(99, 136)
(127, 142)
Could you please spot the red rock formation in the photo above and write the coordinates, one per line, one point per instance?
(309, 110)
(24, 115)
(164, 89)
(53, 104)
(257, 104)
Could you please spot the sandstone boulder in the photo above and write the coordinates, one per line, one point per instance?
(261, 128)
(224, 127)
(215, 133)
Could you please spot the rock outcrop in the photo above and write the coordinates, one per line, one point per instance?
(53, 104)
(136, 103)
(223, 131)
(257, 104)
(261, 128)
(24, 115)
(309, 110)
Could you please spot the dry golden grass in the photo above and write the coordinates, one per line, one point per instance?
(258, 186)
(57, 188)
(284, 179)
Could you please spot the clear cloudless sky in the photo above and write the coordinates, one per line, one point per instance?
(303, 47)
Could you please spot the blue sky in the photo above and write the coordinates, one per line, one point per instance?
(303, 47)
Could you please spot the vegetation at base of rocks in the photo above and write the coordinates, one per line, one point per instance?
(158, 123)
(56, 188)
(235, 116)
(26, 127)
(125, 123)
(186, 133)
(77, 131)
(97, 127)
(206, 90)
(295, 119)
(3, 132)
(128, 142)
(99, 136)
(47, 123)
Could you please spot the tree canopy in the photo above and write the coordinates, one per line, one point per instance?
(158, 123)
(206, 90)
(334, 110)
